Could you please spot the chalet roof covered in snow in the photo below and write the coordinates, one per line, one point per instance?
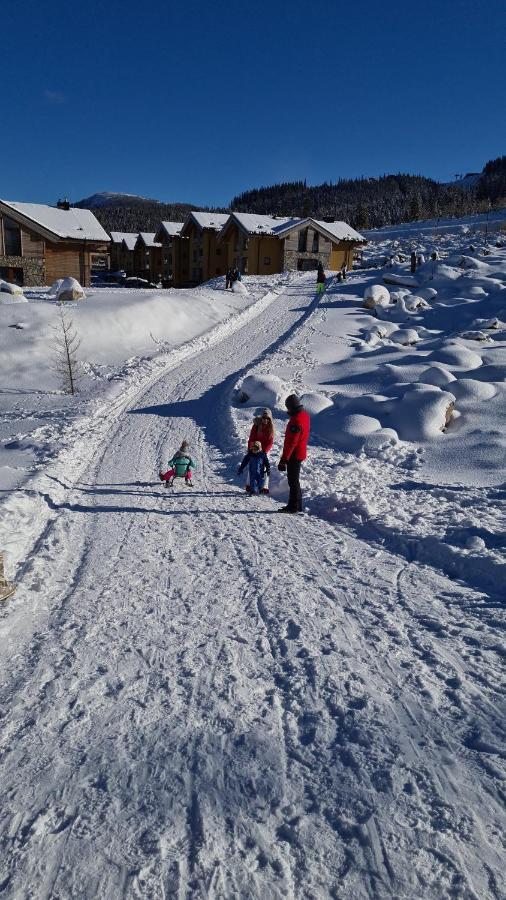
(258, 224)
(148, 238)
(75, 224)
(209, 220)
(336, 231)
(129, 237)
(170, 228)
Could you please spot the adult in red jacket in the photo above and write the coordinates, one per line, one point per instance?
(294, 451)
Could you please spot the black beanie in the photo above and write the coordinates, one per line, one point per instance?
(293, 403)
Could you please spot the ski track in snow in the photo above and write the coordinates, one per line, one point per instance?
(215, 701)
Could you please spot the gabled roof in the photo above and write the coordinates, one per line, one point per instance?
(213, 221)
(168, 229)
(147, 238)
(127, 237)
(62, 224)
(335, 231)
(252, 223)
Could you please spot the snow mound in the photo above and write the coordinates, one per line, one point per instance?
(476, 336)
(345, 431)
(455, 356)
(494, 324)
(405, 336)
(383, 437)
(315, 402)
(376, 295)
(7, 299)
(427, 293)
(436, 375)
(262, 390)
(407, 280)
(239, 288)
(67, 289)
(422, 412)
(14, 290)
(414, 302)
(469, 391)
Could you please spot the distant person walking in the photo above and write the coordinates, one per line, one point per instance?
(294, 451)
(228, 279)
(320, 280)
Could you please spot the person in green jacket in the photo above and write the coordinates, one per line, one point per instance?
(180, 466)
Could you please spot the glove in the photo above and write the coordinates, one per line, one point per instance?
(282, 465)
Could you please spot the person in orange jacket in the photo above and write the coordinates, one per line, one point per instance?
(294, 451)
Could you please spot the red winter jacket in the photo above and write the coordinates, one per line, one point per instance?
(258, 433)
(296, 436)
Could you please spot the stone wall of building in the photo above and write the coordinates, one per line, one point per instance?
(292, 254)
(32, 267)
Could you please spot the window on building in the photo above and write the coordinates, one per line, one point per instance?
(303, 240)
(267, 260)
(316, 242)
(12, 237)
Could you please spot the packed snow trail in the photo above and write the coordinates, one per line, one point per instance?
(218, 701)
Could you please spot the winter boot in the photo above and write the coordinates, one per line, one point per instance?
(248, 489)
(188, 482)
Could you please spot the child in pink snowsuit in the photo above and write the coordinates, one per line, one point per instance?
(180, 466)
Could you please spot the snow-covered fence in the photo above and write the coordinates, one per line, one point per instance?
(6, 587)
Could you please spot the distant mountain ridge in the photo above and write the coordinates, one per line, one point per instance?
(363, 202)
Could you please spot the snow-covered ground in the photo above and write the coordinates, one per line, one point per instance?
(202, 698)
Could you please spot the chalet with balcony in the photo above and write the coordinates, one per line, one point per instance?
(39, 244)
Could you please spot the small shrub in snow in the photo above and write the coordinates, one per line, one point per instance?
(65, 346)
(376, 295)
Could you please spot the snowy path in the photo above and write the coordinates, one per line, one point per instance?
(221, 702)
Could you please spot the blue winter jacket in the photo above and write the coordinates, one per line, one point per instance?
(258, 464)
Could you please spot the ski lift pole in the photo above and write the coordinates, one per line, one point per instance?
(7, 588)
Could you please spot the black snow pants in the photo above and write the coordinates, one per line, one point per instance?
(293, 475)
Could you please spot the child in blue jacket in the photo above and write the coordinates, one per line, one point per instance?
(258, 465)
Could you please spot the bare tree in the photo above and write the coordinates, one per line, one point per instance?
(65, 345)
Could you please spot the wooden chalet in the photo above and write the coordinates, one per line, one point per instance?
(198, 256)
(148, 257)
(168, 235)
(39, 244)
(122, 251)
(264, 245)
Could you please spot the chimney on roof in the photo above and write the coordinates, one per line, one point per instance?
(63, 204)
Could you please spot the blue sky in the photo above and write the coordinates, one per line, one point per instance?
(196, 102)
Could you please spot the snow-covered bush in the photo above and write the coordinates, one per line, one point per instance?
(67, 289)
(456, 356)
(344, 430)
(376, 295)
(7, 288)
(420, 412)
(476, 336)
(262, 390)
(470, 391)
